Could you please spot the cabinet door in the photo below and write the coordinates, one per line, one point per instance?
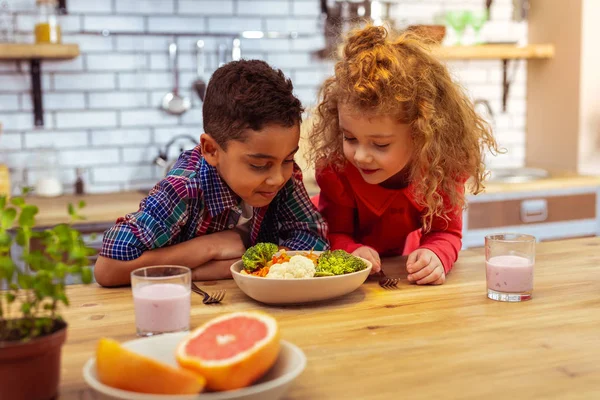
(531, 210)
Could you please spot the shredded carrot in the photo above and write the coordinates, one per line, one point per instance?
(262, 272)
(281, 258)
(312, 256)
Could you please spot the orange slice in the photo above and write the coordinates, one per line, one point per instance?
(123, 369)
(231, 351)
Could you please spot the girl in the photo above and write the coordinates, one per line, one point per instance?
(394, 143)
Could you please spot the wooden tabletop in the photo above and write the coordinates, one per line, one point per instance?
(416, 342)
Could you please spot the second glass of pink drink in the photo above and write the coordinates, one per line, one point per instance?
(161, 298)
(509, 260)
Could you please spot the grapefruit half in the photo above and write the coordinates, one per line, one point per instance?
(231, 351)
(123, 369)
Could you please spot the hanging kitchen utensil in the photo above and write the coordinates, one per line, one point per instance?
(173, 103)
(200, 84)
(222, 54)
(236, 50)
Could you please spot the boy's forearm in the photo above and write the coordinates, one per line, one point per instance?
(213, 270)
(193, 253)
(110, 272)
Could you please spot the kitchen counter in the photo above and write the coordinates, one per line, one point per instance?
(426, 342)
(100, 209)
(556, 181)
(104, 209)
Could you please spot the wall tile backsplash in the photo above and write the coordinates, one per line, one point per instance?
(102, 109)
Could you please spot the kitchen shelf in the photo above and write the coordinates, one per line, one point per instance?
(495, 52)
(35, 53)
(23, 51)
(504, 52)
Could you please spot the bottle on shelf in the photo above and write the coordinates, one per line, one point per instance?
(47, 28)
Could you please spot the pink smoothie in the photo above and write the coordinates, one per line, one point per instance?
(161, 307)
(509, 274)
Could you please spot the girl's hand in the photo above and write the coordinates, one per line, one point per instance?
(371, 255)
(424, 267)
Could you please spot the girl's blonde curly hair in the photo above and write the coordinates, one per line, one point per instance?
(398, 76)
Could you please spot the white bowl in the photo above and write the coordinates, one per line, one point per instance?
(298, 291)
(290, 363)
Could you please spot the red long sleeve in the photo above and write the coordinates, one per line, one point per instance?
(338, 207)
(361, 214)
(445, 239)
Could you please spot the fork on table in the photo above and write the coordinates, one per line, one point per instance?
(387, 283)
(212, 298)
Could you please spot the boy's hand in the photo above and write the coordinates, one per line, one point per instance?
(424, 267)
(229, 244)
(371, 255)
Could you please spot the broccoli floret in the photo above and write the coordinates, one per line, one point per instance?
(258, 256)
(338, 262)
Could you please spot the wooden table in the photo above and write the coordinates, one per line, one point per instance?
(445, 342)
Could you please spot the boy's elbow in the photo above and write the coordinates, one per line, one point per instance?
(106, 272)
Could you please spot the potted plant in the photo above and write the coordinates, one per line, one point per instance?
(32, 331)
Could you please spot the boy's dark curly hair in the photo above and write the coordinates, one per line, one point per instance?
(248, 94)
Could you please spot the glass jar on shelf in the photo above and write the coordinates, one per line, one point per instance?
(47, 28)
(44, 172)
(7, 23)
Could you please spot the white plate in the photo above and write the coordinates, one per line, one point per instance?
(298, 291)
(290, 363)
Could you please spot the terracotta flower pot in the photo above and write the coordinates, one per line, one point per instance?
(31, 370)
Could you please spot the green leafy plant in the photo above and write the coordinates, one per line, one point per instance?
(29, 307)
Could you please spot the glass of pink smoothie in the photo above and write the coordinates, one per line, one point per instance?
(161, 298)
(509, 260)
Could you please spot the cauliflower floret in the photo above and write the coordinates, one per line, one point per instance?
(297, 267)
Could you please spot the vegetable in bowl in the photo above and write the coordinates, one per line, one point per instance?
(338, 262)
(305, 265)
(258, 256)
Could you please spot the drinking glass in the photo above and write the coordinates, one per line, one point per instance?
(477, 19)
(457, 19)
(509, 260)
(161, 298)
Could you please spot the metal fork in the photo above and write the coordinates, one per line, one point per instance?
(212, 298)
(387, 283)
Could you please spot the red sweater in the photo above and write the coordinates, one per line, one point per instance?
(362, 214)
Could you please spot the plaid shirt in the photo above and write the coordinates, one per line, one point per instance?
(193, 200)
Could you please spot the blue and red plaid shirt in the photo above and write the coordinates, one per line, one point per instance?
(193, 200)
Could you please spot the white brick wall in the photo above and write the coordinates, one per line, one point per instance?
(84, 119)
(259, 7)
(84, 81)
(91, 7)
(176, 24)
(109, 100)
(114, 23)
(120, 137)
(214, 7)
(145, 7)
(56, 139)
(102, 109)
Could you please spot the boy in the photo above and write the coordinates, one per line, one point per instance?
(240, 186)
